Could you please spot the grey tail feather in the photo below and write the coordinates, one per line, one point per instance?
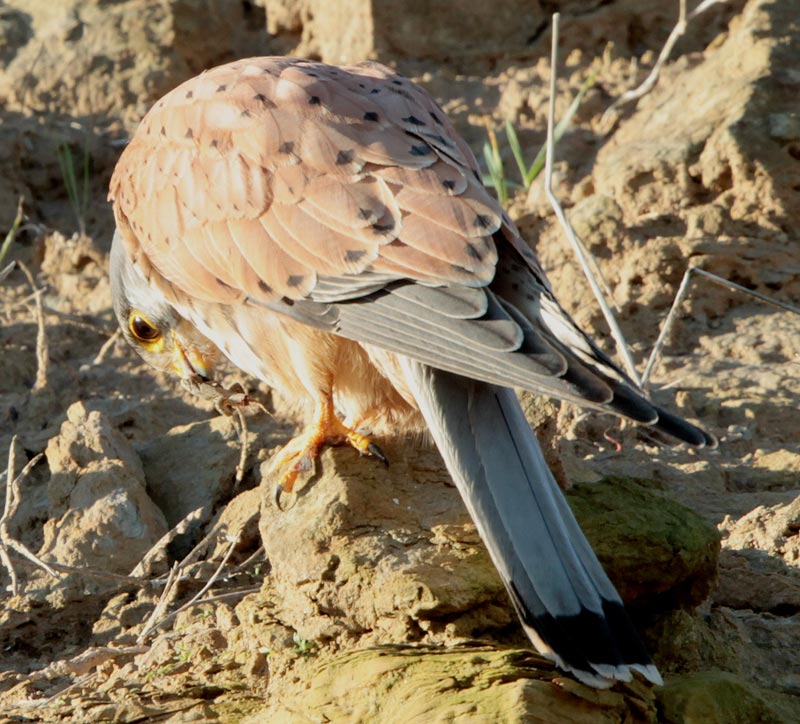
(568, 606)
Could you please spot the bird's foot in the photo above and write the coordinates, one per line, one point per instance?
(300, 454)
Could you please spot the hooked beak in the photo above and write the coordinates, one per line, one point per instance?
(188, 362)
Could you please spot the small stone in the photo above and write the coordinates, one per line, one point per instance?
(100, 514)
(784, 126)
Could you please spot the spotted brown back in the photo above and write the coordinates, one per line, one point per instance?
(264, 177)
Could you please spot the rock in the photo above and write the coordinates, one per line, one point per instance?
(656, 551)
(697, 134)
(752, 579)
(597, 220)
(773, 529)
(121, 56)
(404, 685)
(99, 513)
(191, 467)
(380, 555)
(344, 32)
(681, 641)
(719, 697)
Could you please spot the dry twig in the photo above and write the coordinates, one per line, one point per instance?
(157, 619)
(42, 351)
(12, 501)
(9, 240)
(142, 568)
(100, 357)
(167, 595)
(683, 290)
(647, 85)
(580, 251)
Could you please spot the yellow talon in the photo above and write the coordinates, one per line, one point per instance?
(300, 453)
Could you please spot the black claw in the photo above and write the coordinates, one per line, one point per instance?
(277, 497)
(376, 452)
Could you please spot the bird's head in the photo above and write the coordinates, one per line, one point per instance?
(152, 326)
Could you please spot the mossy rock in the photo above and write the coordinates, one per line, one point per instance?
(468, 685)
(656, 551)
(719, 697)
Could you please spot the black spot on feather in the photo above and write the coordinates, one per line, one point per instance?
(295, 280)
(314, 101)
(473, 251)
(370, 116)
(421, 149)
(345, 157)
(383, 228)
(483, 222)
(354, 255)
(413, 120)
(286, 147)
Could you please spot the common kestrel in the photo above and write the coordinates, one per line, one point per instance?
(327, 229)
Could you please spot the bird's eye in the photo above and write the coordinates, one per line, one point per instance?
(143, 329)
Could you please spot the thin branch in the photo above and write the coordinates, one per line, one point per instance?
(153, 623)
(10, 236)
(143, 566)
(683, 290)
(241, 466)
(161, 605)
(7, 270)
(649, 82)
(12, 501)
(55, 568)
(580, 251)
(247, 562)
(42, 352)
(104, 351)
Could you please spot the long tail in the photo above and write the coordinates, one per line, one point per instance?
(568, 606)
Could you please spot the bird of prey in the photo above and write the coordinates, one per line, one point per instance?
(327, 230)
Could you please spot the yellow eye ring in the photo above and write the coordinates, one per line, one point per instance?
(142, 329)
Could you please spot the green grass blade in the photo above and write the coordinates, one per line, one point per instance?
(516, 150)
(494, 165)
(559, 130)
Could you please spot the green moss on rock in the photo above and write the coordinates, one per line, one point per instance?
(655, 550)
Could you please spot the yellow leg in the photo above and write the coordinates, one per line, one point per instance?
(300, 453)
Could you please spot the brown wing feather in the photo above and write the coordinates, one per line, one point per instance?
(264, 176)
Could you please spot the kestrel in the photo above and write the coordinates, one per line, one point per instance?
(327, 229)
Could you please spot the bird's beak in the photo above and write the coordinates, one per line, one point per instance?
(189, 362)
